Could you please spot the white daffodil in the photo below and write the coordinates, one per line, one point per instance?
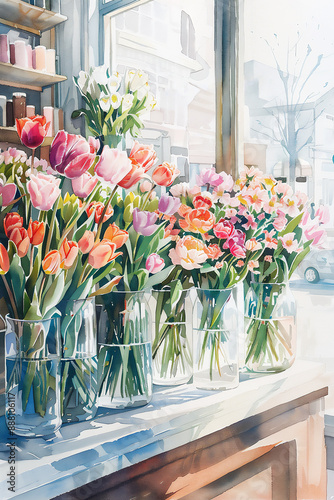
(83, 80)
(105, 103)
(114, 82)
(138, 80)
(115, 100)
(100, 76)
(150, 101)
(111, 100)
(143, 91)
(127, 101)
(129, 77)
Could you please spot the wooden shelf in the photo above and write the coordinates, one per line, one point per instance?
(28, 17)
(15, 76)
(9, 134)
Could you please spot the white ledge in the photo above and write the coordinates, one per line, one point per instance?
(83, 452)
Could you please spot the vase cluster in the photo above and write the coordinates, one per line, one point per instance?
(117, 276)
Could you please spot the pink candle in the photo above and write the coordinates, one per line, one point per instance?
(48, 113)
(21, 58)
(29, 55)
(30, 110)
(51, 61)
(4, 50)
(39, 58)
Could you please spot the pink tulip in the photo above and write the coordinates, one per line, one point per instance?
(169, 205)
(144, 222)
(165, 174)
(136, 173)
(86, 241)
(82, 186)
(102, 253)
(43, 190)
(113, 165)
(94, 144)
(154, 263)
(7, 193)
(323, 214)
(316, 233)
(70, 155)
(223, 229)
(210, 176)
(144, 155)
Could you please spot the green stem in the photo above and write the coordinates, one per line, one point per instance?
(99, 227)
(11, 296)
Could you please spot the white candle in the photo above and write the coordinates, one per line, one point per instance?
(29, 55)
(30, 110)
(48, 113)
(3, 101)
(21, 58)
(39, 58)
(51, 61)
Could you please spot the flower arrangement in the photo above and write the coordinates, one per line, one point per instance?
(114, 104)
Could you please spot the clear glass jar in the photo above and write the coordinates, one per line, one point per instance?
(216, 339)
(172, 336)
(32, 377)
(79, 361)
(270, 327)
(125, 350)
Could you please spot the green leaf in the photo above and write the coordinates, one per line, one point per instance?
(106, 288)
(291, 225)
(54, 294)
(300, 256)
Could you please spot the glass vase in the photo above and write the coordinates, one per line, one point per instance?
(270, 327)
(32, 377)
(216, 339)
(125, 351)
(79, 361)
(172, 336)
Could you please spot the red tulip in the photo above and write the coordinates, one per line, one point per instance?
(11, 221)
(36, 231)
(165, 174)
(116, 235)
(32, 130)
(4, 260)
(51, 262)
(102, 253)
(68, 252)
(98, 206)
(20, 237)
(70, 154)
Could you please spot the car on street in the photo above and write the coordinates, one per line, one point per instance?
(317, 265)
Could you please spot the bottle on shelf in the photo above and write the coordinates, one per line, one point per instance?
(4, 48)
(19, 105)
(9, 113)
(3, 101)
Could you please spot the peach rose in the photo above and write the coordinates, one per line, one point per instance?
(198, 220)
(189, 252)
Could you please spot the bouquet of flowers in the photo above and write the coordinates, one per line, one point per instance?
(114, 103)
(287, 239)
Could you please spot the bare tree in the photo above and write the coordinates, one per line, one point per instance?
(287, 112)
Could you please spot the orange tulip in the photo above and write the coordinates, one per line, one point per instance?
(11, 221)
(36, 231)
(4, 260)
(86, 241)
(51, 262)
(198, 220)
(116, 235)
(68, 252)
(102, 253)
(32, 131)
(20, 237)
(165, 174)
(99, 207)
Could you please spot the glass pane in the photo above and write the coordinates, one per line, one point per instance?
(173, 42)
(289, 133)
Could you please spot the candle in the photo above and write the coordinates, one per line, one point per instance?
(3, 101)
(21, 58)
(48, 113)
(19, 105)
(39, 58)
(51, 61)
(29, 55)
(9, 113)
(30, 110)
(4, 49)
(12, 53)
